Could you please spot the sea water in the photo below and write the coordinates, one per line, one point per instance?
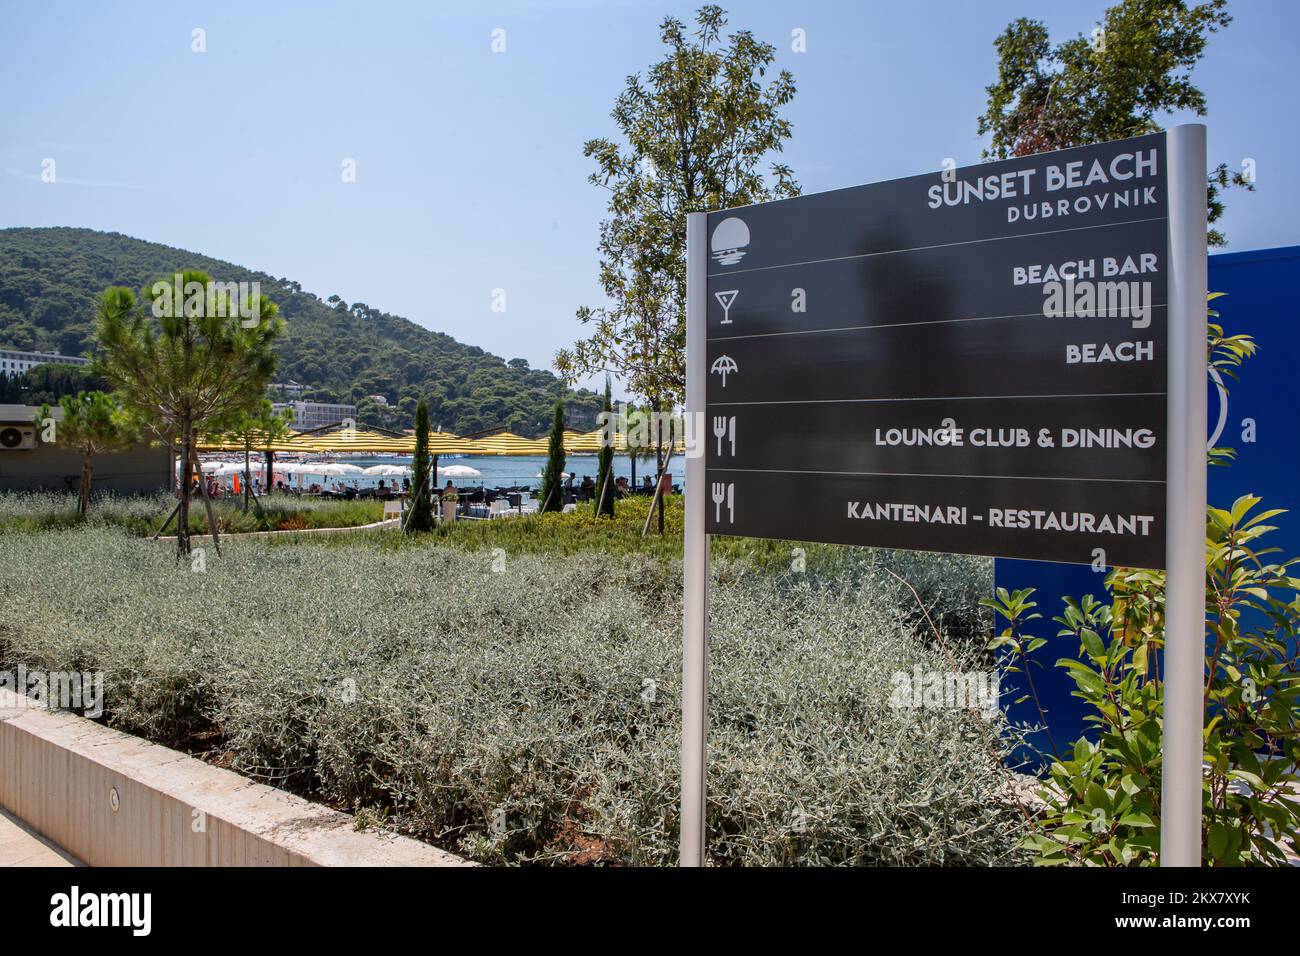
(497, 470)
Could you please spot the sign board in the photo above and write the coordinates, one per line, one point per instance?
(838, 356)
(850, 337)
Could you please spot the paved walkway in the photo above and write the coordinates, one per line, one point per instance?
(19, 846)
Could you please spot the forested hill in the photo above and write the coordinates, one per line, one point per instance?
(49, 279)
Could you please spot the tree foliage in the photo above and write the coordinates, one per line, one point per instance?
(186, 366)
(420, 516)
(46, 384)
(694, 133)
(1116, 83)
(258, 429)
(50, 278)
(605, 465)
(92, 423)
(552, 490)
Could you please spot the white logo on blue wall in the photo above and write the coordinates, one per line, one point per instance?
(1223, 408)
(730, 238)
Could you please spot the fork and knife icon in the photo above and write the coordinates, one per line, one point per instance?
(724, 492)
(724, 427)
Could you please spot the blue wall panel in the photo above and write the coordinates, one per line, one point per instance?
(1263, 300)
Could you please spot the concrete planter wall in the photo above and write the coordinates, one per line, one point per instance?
(111, 799)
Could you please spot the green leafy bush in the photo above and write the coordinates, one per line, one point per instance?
(1103, 798)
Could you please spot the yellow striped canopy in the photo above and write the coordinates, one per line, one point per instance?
(445, 443)
(579, 443)
(354, 441)
(258, 443)
(506, 443)
(590, 443)
(363, 441)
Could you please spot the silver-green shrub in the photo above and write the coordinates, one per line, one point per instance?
(526, 707)
(145, 514)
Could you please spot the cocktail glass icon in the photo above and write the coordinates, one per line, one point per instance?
(725, 299)
(730, 237)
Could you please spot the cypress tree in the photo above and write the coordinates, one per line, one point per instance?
(605, 468)
(420, 515)
(552, 490)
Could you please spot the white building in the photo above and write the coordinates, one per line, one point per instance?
(14, 362)
(309, 415)
(290, 388)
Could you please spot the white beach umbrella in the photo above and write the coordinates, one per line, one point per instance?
(459, 471)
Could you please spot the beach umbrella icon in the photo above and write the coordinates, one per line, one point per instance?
(724, 365)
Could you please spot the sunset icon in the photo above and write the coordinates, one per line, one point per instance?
(730, 238)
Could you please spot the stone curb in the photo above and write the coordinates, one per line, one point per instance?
(111, 799)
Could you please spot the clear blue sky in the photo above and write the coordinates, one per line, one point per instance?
(470, 175)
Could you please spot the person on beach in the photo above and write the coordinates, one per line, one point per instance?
(449, 498)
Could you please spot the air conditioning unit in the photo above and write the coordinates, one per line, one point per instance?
(17, 437)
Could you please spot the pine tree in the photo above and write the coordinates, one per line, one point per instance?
(420, 515)
(552, 490)
(605, 468)
(93, 422)
(186, 363)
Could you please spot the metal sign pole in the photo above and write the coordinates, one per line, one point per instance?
(1180, 798)
(695, 567)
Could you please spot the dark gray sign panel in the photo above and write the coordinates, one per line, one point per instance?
(972, 361)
